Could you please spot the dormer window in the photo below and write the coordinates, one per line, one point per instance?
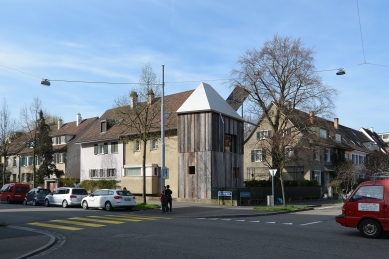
(323, 133)
(338, 138)
(103, 126)
(263, 134)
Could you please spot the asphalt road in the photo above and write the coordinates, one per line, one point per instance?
(151, 234)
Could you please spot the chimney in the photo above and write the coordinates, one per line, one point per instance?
(60, 123)
(372, 129)
(336, 123)
(150, 96)
(133, 99)
(78, 119)
(311, 117)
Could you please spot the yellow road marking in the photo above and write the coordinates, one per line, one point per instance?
(134, 216)
(78, 223)
(53, 226)
(99, 220)
(131, 220)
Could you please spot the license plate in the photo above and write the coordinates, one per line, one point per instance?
(127, 199)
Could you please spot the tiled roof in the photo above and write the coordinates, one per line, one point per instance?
(117, 130)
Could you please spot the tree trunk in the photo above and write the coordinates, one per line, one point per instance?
(144, 171)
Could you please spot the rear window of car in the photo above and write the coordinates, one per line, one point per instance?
(80, 191)
(43, 191)
(22, 189)
(124, 193)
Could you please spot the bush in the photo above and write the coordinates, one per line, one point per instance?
(257, 183)
(291, 183)
(92, 185)
(307, 183)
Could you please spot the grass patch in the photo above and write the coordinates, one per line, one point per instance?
(281, 208)
(143, 206)
(333, 204)
(3, 224)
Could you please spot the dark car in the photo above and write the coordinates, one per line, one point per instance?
(36, 196)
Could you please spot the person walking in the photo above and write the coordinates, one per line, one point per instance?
(169, 199)
(163, 200)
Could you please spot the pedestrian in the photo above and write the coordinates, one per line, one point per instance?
(163, 200)
(169, 199)
(124, 189)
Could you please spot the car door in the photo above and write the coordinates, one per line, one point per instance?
(102, 198)
(58, 196)
(30, 195)
(92, 199)
(367, 202)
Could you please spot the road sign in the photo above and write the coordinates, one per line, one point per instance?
(165, 173)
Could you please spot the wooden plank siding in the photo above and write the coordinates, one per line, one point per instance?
(201, 144)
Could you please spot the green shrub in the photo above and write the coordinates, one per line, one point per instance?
(92, 185)
(257, 183)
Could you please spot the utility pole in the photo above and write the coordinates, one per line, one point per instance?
(163, 128)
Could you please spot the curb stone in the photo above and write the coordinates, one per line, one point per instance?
(51, 243)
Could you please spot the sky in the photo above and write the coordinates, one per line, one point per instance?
(196, 41)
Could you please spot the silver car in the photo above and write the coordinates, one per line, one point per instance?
(66, 196)
(109, 199)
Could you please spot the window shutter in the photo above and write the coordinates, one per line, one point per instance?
(253, 155)
(96, 148)
(263, 151)
(36, 160)
(20, 161)
(105, 148)
(258, 135)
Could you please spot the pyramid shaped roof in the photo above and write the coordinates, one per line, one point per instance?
(205, 98)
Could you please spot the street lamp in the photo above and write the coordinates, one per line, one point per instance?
(45, 82)
(273, 173)
(340, 72)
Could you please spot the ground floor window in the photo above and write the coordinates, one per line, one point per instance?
(136, 171)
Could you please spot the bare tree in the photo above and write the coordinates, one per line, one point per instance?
(344, 179)
(139, 113)
(282, 75)
(7, 130)
(29, 118)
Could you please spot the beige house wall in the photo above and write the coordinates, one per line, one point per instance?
(153, 163)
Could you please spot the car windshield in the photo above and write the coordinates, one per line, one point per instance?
(80, 191)
(22, 189)
(124, 193)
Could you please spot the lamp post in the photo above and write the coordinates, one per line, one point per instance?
(163, 129)
(273, 173)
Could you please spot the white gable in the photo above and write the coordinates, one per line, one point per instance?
(205, 98)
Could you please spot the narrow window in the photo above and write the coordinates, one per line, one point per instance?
(114, 147)
(96, 148)
(192, 170)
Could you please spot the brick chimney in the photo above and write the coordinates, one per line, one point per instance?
(60, 123)
(311, 117)
(133, 99)
(150, 96)
(336, 123)
(78, 119)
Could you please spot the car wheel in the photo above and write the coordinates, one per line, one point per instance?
(33, 202)
(24, 202)
(85, 205)
(108, 206)
(65, 203)
(47, 203)
(370, 228)
(9, 200)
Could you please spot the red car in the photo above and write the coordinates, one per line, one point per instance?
(367, 209)
(12, 192)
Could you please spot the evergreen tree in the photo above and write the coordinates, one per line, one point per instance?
(44, 149)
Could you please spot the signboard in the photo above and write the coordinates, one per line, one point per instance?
(224, 194)
(368, 206)
(245, 194)
(165, 173)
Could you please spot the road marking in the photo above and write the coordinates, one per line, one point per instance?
(273, 222)
(213, 219)
(122, 218)
(46, 225)
(200, 218)
(99, 220)
(287, 223)
(310, 223)
(226, 219)
(138, 217)
(77, 223)
(240, 220)
(255, 221)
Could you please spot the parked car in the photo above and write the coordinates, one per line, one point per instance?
(109, 199)
(36, 196)
(367, 209)
(14, 192)
(65, 197)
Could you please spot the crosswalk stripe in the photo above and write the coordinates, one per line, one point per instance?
(135, 217)
(99, 220)
(53, 226)
(125, 219)
(86, 224)
(142, 217)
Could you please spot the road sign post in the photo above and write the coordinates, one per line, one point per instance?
(273, 173)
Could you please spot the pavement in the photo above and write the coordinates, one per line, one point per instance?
(22, 242)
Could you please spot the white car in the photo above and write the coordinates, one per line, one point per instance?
(66, 196)
(109, 199)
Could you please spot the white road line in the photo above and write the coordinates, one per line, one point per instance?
(271, 222)
(310, 223)
(240, 220)
(226, 219)
(200, 218)
(255, 221)
(213, 219)
(287, 223)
